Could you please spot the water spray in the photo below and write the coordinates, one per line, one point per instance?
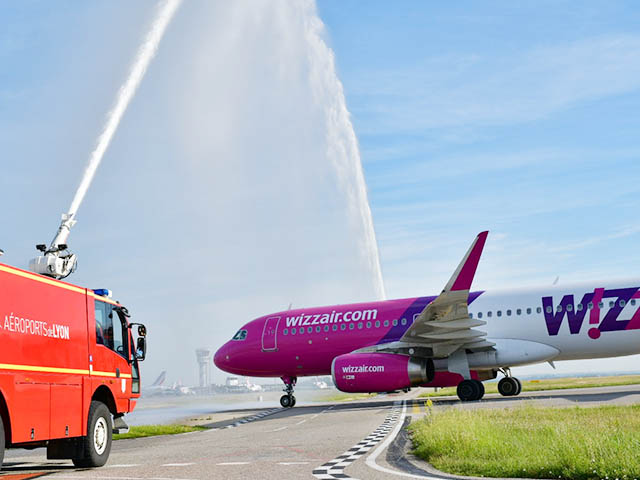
(56, 260)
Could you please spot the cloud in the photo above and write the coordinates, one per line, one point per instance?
(464, 90)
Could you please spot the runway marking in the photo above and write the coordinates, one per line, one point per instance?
(371, 459)
(293, 463)
(177, 464)
(279, 429)
(335, 468)
(124, 465)
(233, 463)
(301, 422)
(252, 418)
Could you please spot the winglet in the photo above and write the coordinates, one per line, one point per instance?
(463, 276)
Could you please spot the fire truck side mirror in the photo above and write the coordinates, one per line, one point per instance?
(141, 348)
(142, 331)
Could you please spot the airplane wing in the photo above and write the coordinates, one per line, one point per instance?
(444, 326)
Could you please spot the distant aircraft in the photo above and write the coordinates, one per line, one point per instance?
(160, 380)
(458, 338)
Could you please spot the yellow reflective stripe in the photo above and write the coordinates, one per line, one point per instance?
(31, 368)
(110, 374)
(41, 279)
(77, 371)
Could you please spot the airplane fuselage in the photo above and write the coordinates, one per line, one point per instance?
(579, 322)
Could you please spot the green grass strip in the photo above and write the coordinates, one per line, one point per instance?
(553, 384)
(153, 430)
(529, 442)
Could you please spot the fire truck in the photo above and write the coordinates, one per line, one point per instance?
(68, 367)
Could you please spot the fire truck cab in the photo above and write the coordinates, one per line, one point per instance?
(68, 367)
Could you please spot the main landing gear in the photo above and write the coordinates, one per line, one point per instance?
(509, 386)
(288, 400)
(470, 390)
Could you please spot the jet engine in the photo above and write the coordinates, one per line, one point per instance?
(379, 372)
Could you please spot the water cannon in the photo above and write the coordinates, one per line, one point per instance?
(56, 261)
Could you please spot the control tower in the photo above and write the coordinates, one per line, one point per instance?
(204, 366)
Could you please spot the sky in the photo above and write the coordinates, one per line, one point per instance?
(219, 199)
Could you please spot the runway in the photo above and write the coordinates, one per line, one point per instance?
(353, 440)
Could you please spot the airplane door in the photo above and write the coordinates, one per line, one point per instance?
(269, 341)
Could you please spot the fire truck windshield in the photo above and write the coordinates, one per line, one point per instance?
(111, 328)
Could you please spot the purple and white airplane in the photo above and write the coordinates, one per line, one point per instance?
(458, 338)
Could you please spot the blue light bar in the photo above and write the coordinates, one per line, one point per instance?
(103, 292)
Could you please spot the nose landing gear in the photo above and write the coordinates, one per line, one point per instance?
(288, 400)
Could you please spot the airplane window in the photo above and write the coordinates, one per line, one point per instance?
(519, 311)
(569, 308)
(529, 311)
(403, 321)
(559, 309)
(318, 328)
(611, 304)
(351, 326)
(633, 302)
(539, 310)
(508, 313)
(360, 325)
(386, 323)
(622, 303)
(470, 315)
(334, 327)
(600, 304)
(326, 328)
(241, 335)
(499, 313)
(395, 322)
(579, 307)
(368, 324)
(590, 305)
(285, 331)
(479, 314)
(309, 329)
(549, 309)
(293, 331)
(377, 323)
(343, 326)
(489, 313)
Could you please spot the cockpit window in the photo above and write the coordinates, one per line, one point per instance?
(241, 335)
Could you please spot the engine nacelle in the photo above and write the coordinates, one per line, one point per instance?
(379, 372)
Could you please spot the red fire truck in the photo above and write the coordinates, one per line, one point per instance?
(68, 367)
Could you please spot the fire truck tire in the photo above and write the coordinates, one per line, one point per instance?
(97, 444)
(1, 442)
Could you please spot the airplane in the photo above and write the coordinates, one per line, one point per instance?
(459, 338)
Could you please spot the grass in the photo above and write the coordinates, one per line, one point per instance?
(153, 430)
(346, 397)
(528, 442)
(552, 384)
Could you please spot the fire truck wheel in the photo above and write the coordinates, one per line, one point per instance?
(97, 443)
(1, 442)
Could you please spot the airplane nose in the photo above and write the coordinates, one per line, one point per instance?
(221, 357)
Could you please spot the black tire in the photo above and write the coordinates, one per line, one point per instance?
(519, 386)
(286, 401)
(508, 387)
(1, 442)
(480, 390)
(97, 444)
(293, 401)
(468, 390)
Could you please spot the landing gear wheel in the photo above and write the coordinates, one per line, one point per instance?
(519, 386)
(1, 442)
(470, 390)
(509, 386)
(97, 444)
(293, 401)
(286, 401)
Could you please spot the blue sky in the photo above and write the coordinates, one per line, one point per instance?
(512, 117)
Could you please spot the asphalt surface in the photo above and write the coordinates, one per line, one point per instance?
(357, 440)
